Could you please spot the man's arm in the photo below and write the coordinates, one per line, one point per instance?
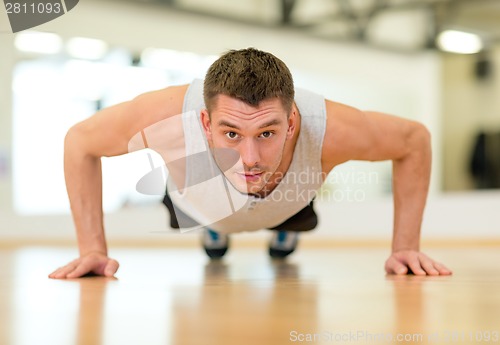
(356, 135)
(107, 133)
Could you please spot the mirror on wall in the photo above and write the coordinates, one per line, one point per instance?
(53, 91)
(471, 121)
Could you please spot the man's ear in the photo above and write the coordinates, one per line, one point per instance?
(207, 125)
(292, 122)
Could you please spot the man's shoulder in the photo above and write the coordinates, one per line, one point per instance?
(176, 91)
(157, 105)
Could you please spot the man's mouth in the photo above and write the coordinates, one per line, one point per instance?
(250, 176)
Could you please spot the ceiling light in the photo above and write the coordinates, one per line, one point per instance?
(38, 42)
(86, 48)
(460, 42)
(168, 59)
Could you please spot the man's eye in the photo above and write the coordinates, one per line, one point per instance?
(231, 135)
(266, 134)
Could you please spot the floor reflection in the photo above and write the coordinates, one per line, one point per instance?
(409, 308)
(245, 304)
(7, 305)
(91, 310)
(177, 297)
(233, 303)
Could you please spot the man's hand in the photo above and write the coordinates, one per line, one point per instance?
(412, 261)
(96, 263)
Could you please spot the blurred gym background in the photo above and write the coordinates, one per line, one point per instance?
(435, 61)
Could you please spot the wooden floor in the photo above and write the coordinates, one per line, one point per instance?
(321, 296)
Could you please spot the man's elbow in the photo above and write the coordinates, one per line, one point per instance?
(419, 139)
(422, 133)
(73, 133)
(76, 140)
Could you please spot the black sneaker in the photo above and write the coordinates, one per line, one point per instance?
(215, 244)
(283, 243)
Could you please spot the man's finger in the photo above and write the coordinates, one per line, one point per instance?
(111, 268)
(393, 266)
(79, 271)
(416, 268)
(442, 269)
(428, 266)
(54, 274)
(63, 271)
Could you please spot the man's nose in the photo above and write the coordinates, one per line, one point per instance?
(249, 152)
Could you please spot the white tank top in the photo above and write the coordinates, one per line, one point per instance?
(213, 202)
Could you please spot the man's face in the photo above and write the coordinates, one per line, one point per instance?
(257, 134)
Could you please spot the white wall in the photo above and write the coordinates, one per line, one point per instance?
(406, 85)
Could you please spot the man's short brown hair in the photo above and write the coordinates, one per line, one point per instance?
(251, 76)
